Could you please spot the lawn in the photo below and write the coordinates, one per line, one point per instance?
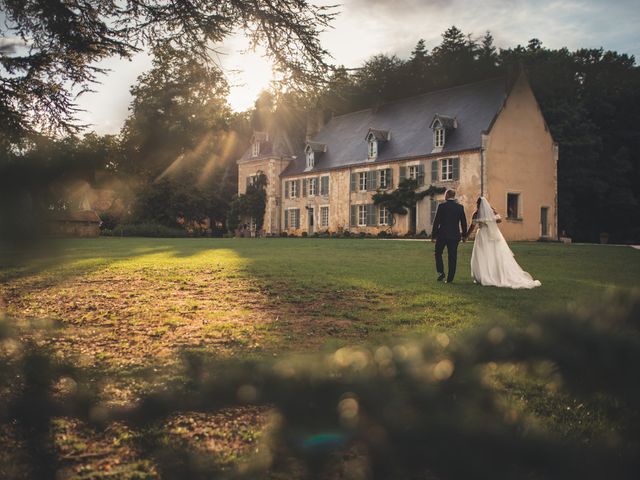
(126, 305)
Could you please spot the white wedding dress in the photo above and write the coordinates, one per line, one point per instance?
(492, 261)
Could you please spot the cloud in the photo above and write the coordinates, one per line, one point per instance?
(10, 45)
(366, 27)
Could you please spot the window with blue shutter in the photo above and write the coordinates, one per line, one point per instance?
(420, 175)
(372, 184)
(456, 169)
(371, 215)
(434, 171)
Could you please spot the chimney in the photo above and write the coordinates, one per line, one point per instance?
(315, 122)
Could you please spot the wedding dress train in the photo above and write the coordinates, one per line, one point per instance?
(492, 261)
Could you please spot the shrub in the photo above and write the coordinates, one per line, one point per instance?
(305, 234)
(147, 230)
(284, 234)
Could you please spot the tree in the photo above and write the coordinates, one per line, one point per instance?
(400, 200)
(250, 204)
(178, 114)
(50, 47)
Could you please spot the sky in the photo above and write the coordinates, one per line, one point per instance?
(367, 27)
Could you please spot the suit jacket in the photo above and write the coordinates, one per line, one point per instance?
(449, 217)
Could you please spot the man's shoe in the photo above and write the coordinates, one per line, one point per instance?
(441, 277)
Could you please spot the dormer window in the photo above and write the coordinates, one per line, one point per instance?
(375, 139)
(257, 139)
(312, 152)
(310, 158)
(441, 125)
(373, 149)
(438, 137)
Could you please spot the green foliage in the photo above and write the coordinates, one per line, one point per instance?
(145, 230)
(250, 204)
(404, 410)
(400, 200)
(58, 45)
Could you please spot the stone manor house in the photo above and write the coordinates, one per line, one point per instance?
(483, 138)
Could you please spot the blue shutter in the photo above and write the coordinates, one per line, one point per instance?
(324, 186)
(354, 215)
(286, 189)
(297, 225)
(304, 187)
(248, 181)
(372, 184)
(353, 182)
(420, 174)
(456, 169)
(434, 171)
(371, 215)
(298, 188)
(403, 173)
(286, 219)
(389, 178)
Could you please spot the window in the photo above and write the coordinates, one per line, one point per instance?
(434, 208)
(362, 181)
(310, 158)
(293, 190)
(251, 180)
(414, 172)
(292, 218)
(513, 206)
(438, 137)
(313, 188)
(324, 185)
(252, 224)
(324, 217)
(384, 179)
(447, 169)
(362, 215)
(383, 216)
(373, 149)
(256, 149)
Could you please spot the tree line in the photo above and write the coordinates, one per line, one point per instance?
(174, 159)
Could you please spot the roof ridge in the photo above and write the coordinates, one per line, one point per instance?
(398, 100)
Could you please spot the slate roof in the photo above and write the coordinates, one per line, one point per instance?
(474, 106)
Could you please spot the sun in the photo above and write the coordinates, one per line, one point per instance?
(248, 73)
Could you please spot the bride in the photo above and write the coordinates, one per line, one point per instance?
(492, 261)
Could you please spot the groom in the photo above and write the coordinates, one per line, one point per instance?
(446, 233)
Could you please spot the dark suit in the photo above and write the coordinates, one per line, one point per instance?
(447, 225)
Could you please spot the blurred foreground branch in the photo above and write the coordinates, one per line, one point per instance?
(410, 410)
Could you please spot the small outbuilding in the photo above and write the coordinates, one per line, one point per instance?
(79, 223)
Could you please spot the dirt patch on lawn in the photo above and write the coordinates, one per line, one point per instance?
(123, 319)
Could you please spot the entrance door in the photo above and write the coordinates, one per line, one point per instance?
(310, 215)
(544, 225)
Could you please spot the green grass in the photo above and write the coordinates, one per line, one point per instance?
(128, 304)
(391, 281)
